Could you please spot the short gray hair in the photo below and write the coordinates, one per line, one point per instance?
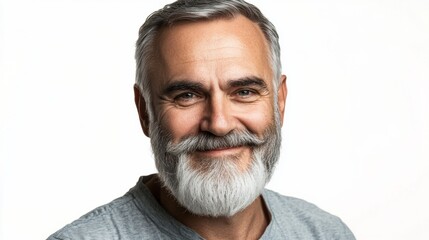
(196, 10)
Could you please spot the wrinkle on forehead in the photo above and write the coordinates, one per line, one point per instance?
(232, 36)
(207, 59)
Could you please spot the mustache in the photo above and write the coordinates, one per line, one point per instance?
(206, 141)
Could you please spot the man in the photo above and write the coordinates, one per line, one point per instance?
(211, 97)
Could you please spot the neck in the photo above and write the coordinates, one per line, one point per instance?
(247, 224)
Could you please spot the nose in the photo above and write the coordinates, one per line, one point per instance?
(218, 118)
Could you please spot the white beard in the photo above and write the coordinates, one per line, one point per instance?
(223, 190)
(217, 186)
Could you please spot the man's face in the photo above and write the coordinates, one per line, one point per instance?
(213, 78)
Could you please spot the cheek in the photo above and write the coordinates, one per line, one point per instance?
(180, 123)
(257, 118)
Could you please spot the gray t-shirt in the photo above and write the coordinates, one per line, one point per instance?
(137, 215)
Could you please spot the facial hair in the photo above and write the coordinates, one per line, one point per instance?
(215, 187)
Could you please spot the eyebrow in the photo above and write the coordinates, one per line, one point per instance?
(187, 85)
(183, 85)
(247, 81)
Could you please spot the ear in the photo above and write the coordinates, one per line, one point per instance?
(141, 109)
(282, 94)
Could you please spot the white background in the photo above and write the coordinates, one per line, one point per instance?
(356, 136)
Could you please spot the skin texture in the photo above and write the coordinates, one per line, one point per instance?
(213, 76)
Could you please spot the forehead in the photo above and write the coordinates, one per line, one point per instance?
(221, 47)
(202, 35)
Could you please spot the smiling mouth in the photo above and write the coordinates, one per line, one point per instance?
(221, 151)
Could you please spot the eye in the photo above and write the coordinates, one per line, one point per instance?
(186, 99)
(246, 95)
(185, 96)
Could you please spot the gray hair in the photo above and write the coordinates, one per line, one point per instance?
(195, 10)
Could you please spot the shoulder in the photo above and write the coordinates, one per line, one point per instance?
(136, 215)
(98, 223)
(303, 219)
